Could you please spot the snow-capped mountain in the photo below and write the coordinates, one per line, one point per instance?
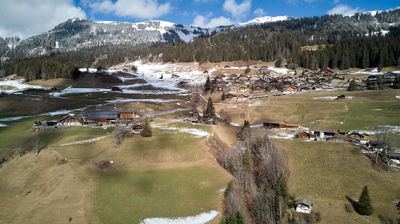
(265, 19)
(79, 33)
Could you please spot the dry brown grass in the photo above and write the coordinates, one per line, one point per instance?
(40, 190)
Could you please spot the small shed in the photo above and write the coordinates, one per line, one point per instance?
(303, 205)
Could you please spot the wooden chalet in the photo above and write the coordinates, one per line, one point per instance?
(358, 138)
(69, 121)
(259, 83)
(271, 124)
(305, 135)
(126, 115)
(294, 126)
(329, 133)
(137, 129)
(230, 96)
(243, 78)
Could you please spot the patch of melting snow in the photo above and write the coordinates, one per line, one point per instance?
(330, 97)
(17, 85)
(234, 124)
(125, 100)
(3, 125)
(282, 135)
(201, 218)
(398, 97)
(193, 131)
(378, 109)
(381, 129)
(255, 103)
(222, 190)
(54, 113)
(86, 141)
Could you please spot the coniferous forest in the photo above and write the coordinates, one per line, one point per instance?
(333, 41)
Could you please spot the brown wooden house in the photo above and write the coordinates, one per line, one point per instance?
(69, 121)
(305, 135)
(271, 124)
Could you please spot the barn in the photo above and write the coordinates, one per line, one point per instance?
(69, 121)
(271, 124)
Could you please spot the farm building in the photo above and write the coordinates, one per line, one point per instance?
(126, 115)
(358, 138)
(69, 121)
(294, 126)
(270, 124)
(329, 133)
(305, 135)
(109, 117)
(137, 129)
(303, 205)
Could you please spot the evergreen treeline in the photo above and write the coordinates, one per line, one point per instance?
(343, 42)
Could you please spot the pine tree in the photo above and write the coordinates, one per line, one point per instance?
(247, 160)
(364, 206)
(246, 124)
(352, 86)
(234, 218)
(396, 83)
(207, 86)
(147, 132)
(210, 107)
(223, 96)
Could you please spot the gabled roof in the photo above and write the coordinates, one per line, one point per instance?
(274, 122)
(303, 201)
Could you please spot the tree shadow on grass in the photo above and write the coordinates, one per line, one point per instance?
(353, 203)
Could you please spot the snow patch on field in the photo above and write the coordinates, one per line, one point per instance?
(255, 103)
(281, 135)
(201, 218)
(193, 131)
(3, 125)
(54, 113)
(381, 129)
(330, 97)
(86, 141)
(125, 100)
(398, 97)
(12, 86)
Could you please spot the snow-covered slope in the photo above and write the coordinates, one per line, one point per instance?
(265, 19)
(79, 33)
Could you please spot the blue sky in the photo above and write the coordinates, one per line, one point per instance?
(185, 11)
(29, 17)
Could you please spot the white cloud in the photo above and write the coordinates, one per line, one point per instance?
(28, 17)
(343, 10)
(336, 1)
(204, 1)
(259, 12)
(203, 21)
(142, 9)
(237, 10)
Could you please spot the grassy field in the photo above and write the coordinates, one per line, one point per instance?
(131, 196)
(326, 173)
(21, 131)
(365, 110)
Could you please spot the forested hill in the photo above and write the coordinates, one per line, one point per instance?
(362, 40)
